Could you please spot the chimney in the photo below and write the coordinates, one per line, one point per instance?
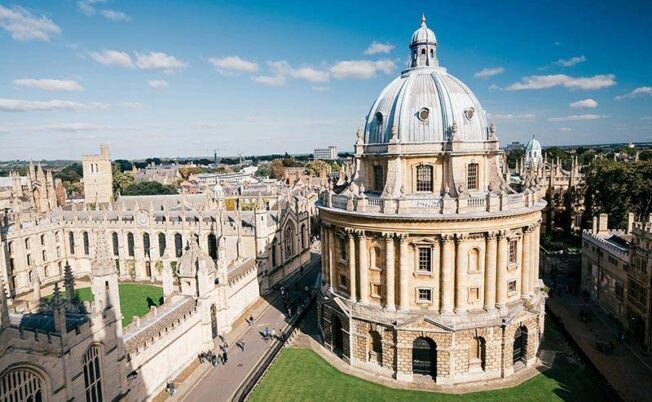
(630, 222)
(603, 223)
(595, 225)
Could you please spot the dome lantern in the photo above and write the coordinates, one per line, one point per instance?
(423, 47)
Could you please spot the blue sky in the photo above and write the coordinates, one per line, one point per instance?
(177, 78)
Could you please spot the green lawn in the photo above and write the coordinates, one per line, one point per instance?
(302, 375)
(133, 299)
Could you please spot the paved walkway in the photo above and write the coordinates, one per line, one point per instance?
(628, 370)
(220, 383)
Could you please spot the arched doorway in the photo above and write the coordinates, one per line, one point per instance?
(375, 347)
(22, 384)
(520, 345)
(424, 357)
(214, 321)
(338, 338)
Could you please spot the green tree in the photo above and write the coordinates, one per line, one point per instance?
(121, 180)
(278, 169)
(264, 170)
(149, 188)
(123, 164)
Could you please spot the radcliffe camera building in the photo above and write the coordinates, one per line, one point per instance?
(430, 258)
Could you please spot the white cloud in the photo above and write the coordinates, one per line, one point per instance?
(362, 69)
(570, 62)
(233, 64)
(377, 47)
(584, 103)
(640, 91)
(158, 61)
(116, 16)
(274, 81)
(578, 117)
(555, 80)
(157, 83)
(48, 84)
(310, 74)
(133, 105)
(524, 116)
(22, 25)
(489, 72)
(72, 127)
(20, 105)
(113, 58)
(565, 129)
(320, 89)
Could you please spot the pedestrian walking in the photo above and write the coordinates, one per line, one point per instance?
(273, 333)
(251, 320)
(225, 358)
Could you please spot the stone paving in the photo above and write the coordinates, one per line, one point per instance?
(628, 370)
(220, 383)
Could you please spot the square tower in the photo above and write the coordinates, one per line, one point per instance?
(98, 177)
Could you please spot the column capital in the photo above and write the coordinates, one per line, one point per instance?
(460, 237)
(491, 235)
(360, 233)
(502, 234)
(529, 229)
(349, 232)
(388, 236)
(447, 238)
(402, 237)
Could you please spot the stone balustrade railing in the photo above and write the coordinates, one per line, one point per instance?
(420, 205)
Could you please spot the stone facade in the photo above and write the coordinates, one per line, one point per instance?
(429, 257)
(98, 177)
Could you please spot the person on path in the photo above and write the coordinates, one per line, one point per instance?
(273, 333)
(225, 357)
(251, 320)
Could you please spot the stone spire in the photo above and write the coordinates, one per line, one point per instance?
(59, 311)
(102, 263)
(69, 283)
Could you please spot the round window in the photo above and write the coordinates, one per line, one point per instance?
(468, 113)
(423, 114)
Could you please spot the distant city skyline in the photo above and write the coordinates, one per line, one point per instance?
(183, 78)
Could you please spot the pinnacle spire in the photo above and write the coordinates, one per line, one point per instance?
(423, 19)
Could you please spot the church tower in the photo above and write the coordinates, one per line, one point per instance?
(98, 177)
(104, 278)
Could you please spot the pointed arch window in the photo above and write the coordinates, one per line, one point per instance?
(161, 244)
(71, 242)
(130, 244)
(116, 245)
(212, 246)
(86, 243)
(93, 375)
(288, 239)
(178, 244)
(146, 244)
(22, 384)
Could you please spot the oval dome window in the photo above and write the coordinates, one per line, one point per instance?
(424, 113)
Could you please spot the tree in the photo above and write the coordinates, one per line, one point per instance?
(123, 164)
(121, 180)
(278, 169)
(264, 170)
(514, 155)
(316, 167)
(149, 188)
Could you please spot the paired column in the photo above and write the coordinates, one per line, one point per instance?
(525, 262)
(364, 269)
(460, 268)
(404, 273)
(490, 271)
(534, 257)
(390, 270)
(501, 270)
(447, 273)
(352, 275)
(331, 254)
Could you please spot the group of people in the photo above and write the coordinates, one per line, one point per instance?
(213, 358)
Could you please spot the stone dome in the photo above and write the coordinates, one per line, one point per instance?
(425, 103)
(533, 144)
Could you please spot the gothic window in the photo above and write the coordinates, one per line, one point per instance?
(378, 178)
(474, 260)
(10, 247)
(303, 237)
(116, 245)
(472, 176)
(288, 238)
(130, 244)
(86, 243)
(178, 244)
(161, 244)
(56, 237)
(274, 253)
(212, 246)
(71, 242)
(513, 247)
(425, 259)
(27, 244)
(45, 271)
(343, 245)
(44, 256)
(59, 268)
(42, 240)
(29, 259)
(146, 244)
(93, 375)
(22, 384)
(424, 178)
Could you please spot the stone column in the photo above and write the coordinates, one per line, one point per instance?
(501, 270)
(490, 271)
(460, 270)
(331, 257)
(534, 257)
(324, 253)
(364, 269)
(390, 271)
(404, 303)
(447, 273)
(352, 275)
(525, 262)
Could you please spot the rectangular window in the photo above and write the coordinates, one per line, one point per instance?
(343, 246)
(29, 259)
(511, 286)
(472, 176)
(58, 252)
(344, 281)
(474, 295)
(379, 178)
(513, 248)
(424, 178)
(424, 295)
(425, 259)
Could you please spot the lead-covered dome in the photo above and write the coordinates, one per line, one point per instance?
(425, 104)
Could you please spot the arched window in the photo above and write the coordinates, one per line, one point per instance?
(161, 244)
(71, 242)
(288, 239)
(343, 245)
(130, 244)
(477, 353)
(27, 243)
(212, 246)
(379, 178)
(22, 384)
(93, 375)
(178, 244)
(375, 347)
(424, 178)
(423, 51)
(376, 258)
(274, 262)
(472, 176)
(304, 235)
(116, 245)
(377, 128)
(87, 250)
(474, 260)
(42, 240)
(146, 244)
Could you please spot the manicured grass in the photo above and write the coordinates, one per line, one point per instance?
(302, 375)
(133, 299)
